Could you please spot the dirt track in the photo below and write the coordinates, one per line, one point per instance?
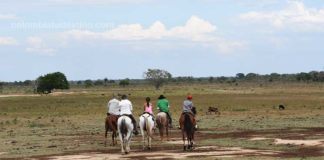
(306, 147)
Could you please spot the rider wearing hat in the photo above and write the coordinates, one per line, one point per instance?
(163, 106)
(188, 107)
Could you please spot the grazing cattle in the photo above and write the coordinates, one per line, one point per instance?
(213, 110)
(281, 107)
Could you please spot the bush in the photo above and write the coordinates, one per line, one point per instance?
(57, 80)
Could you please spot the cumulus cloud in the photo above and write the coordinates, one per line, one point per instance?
(295, 16)
(7, 16)
(37, 45)
(195, 30)
(5, 41)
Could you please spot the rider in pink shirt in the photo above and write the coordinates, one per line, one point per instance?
(148, 107)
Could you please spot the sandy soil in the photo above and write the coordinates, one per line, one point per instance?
(317, 142)
(205, 151)
(19, 95)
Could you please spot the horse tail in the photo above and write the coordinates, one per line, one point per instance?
(123, 128)
(147, 126)
(188, 125)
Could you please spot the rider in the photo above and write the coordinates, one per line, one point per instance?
(163, 106)
(126, 109)
(148, 107)
(113, 106)
(188, 106)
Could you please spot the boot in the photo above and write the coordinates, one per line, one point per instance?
(135, 129)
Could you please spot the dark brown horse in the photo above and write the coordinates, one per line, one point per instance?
(111, 124)
(162, 122)
(187, 124)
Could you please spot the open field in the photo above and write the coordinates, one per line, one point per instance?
(70, 125)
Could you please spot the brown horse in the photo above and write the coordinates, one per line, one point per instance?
(187, 124)
(111, 124)
(162, 122)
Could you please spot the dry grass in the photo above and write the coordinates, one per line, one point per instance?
(61, 123)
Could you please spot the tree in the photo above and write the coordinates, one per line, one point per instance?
(88, 83)
(157, 77)
(1, 86)
(240, 75)
(124, 82)
(57, 80)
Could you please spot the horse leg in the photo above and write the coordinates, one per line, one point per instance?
(161, 132)
(167, 132)
(184, 140)
(143, 138)
(121, 143)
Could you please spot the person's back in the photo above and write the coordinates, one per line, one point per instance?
(125, 107)
(187, 105)
(163, 105)
(113, 106)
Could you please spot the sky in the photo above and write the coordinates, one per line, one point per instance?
(116, 39)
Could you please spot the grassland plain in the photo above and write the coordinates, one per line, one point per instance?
(72, 121)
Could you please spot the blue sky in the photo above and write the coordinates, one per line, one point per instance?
(94, 39)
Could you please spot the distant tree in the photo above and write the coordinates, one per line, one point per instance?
(106, 81)
(57, 80)
(124, 82)
(240, 75)
(251, 76)
(88, 83)
(98, 82)
(157, 77)
(28, 82)
(79, 82)
(1, 87)
(303, 77)
(211, 79)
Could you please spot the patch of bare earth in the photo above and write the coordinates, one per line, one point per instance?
(205, 151)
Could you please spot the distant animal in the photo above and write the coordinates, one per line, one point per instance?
(281, 107)
(213, 110)
(162, 122)
(146, 123)
(125, 131)
(111, 124)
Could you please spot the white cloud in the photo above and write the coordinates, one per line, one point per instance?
(295, 16)
(37, 45)
(7, 16)
(5, 41)
(195, 30)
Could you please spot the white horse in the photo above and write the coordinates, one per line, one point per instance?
(125, 131)
(146, 124)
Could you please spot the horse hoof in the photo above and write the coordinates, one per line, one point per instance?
(184, 148)
(149, 148)
(126, 152)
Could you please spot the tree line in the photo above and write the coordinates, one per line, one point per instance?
(157, 77)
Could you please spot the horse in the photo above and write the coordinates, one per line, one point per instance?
(125, 131)
(187, 125)
(146, 123)
(162, 122)
(111, 124)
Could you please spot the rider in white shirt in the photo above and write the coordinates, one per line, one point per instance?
(113, 107)
(126, 108)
